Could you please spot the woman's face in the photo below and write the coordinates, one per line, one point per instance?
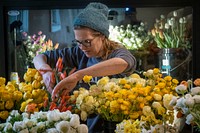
(89, 42)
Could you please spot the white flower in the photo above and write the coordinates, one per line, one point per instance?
(33, 129)
(189, 119)
(180, 102)
(18, 126)
(82, 128)
(74, 121)
(53, 115)
(41, 125)
(8, 126)
(189, 102)
(197, 98)
(66, 115)
(24, 131)
(173, 101)
(52, 130)
(25, 115)
(14, 113)
(2, 125)
(42, 115)
(30, 122)
(63, 127)
(181, 89)
(166, 101)
(195, 91)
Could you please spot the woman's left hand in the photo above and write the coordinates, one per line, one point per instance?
(65, 86)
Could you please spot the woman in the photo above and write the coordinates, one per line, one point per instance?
(94, 54)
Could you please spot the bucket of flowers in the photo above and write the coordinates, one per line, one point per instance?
(144, 100)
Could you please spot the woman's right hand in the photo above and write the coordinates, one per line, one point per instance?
(48, 77)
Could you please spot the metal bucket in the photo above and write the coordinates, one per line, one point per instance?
(175, 62)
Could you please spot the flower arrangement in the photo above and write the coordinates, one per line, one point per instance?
(28, 96)
(187, 103)
(133, 37)
(146, 99)
(64, 101)
(36, 44)
(171, 32)
(39, 122)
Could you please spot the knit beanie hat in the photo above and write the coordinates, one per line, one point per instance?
(94, 16)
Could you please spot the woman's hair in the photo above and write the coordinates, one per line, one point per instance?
(108, 45)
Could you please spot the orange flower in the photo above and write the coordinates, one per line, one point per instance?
(185, 83)
(31, 108)
(197, 82)
(59, 65)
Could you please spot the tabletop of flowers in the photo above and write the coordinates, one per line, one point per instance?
(143, 99)
(171, 32)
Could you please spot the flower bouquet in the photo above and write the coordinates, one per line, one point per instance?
(187, 103)
(43, 122)
(29, 96)
(171, 32)
(145, 99)
(133, 37)
(36, 44)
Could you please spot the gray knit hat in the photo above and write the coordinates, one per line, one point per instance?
(94, 16)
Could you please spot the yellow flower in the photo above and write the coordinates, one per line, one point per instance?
(36, 84)
(17, 95)
(4, 115)
(9, 104)
(168, 78)
(122, 81)
(87, 78)
(2, 81)
(103, 81)
(134, 75)
(156, 71)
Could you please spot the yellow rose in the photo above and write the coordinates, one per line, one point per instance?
(122, 81)
(27, 77)
(2, 105)
(156, 71)
(10, 87)
(9, 104)
(87, 78)
(27, 95)
(4, 115)
(38, 76)
(36, 84)
(17, 95)
(2, 81)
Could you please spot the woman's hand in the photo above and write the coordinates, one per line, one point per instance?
(65, 86)
(48, 77)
